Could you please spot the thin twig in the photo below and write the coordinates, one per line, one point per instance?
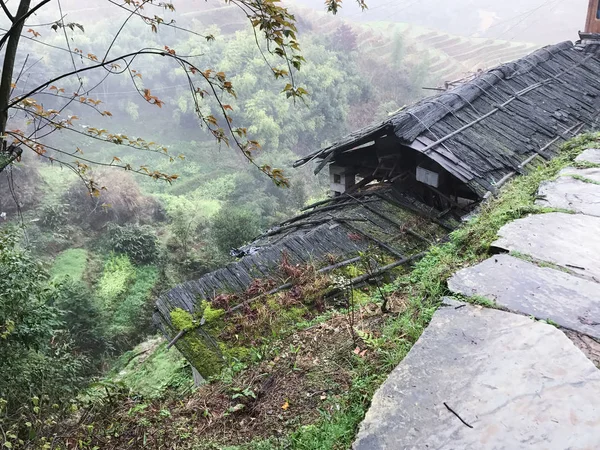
(456, 414)
(6, 11)
(69, 45)
(21, 19)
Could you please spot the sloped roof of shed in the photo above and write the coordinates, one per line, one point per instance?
(340, 230)
(487, 127)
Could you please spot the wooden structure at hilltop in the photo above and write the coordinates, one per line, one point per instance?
(466, 142)
(434, 160)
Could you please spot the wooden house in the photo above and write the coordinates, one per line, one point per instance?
(456, 147)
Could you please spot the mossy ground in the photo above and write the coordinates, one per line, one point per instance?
(308, 385)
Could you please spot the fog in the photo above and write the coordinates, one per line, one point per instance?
(151, 170)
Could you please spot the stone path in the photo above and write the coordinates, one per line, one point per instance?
(542, 292)
(482, 378)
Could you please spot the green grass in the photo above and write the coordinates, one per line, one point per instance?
(118, 274)
(540, 263)
(159, 371)
(71, 262)
(583, 179)
(585, 165)
(149, 370)
(127, 311)
(337, 430)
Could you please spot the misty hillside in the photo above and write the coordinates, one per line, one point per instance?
(536, 21)
(219, 233)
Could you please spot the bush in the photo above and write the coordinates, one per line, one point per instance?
(121, 201)
(21, 188)
(36, 354)
(232, 228)
(124, 294)
(81, 315)
(118, 274)
(54, 216)
(137, 242)
(132, 316)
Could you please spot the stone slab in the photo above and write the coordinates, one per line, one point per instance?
(591, 173)
(520, 384)
(591, 155)
(571, 194)
(542, 292)
(568, 240)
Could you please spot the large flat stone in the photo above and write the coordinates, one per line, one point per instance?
(591, 155)
(572, 194)
(568, 240)
(520, 384)
(544, 293)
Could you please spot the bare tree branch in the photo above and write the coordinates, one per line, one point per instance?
(69, 45)
(117, 34)
(277, 25)
(87, 69)
(151, 20)
(22, 15)
(24, 36)
(6, 11)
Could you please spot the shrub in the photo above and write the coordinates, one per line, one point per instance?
(118, 274)
(124, 297)
(132, 316)
(54, 216)
(120, 201)
(232, 228)
(137, 242)
(81, 315)
(20, 189)
(36, 354)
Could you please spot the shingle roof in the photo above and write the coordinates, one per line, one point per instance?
(338, 230)
(487, 127)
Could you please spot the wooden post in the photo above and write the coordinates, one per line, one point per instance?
(592, 24)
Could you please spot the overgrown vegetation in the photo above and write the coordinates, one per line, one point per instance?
(81, 365)
(298, 373)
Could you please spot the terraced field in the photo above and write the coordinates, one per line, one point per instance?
(450, 57)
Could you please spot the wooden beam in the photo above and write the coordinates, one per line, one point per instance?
(310, 222)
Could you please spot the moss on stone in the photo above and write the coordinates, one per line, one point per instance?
(182, 320)
(204, 357)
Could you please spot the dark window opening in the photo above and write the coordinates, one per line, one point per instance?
(337, 178)
(598, 13)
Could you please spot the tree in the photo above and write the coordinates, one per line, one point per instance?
(233, 228)
(35, 351)
(209, 88)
